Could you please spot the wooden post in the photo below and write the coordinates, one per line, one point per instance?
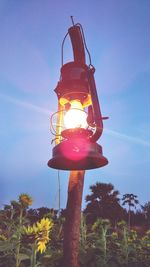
(73, 218)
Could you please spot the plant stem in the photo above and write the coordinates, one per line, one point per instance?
(19, 238)
(33, 256)
(129, 218)
(104, 244)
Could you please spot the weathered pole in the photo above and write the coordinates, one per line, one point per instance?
(72, 220)
(76, 148)
(76, 179)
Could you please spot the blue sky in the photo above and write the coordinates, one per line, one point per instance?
(118, 37)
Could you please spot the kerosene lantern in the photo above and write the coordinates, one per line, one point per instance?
(79, 122)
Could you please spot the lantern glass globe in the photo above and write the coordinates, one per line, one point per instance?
(75, 117)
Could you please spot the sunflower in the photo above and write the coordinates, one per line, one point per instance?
(38, 234)
(44, 228)
(29, 234)
(25, 200)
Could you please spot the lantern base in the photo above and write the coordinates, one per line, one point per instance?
(77, 154)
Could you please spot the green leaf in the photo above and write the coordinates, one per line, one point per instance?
(23, 257)
(7, 245)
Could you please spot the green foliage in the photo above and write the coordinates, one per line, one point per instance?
(119, 247)
(104, 241)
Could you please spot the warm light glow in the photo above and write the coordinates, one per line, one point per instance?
(75, 117)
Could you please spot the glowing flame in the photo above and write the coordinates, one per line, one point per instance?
(75, 117)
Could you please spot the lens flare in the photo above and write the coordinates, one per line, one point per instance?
(76, 149)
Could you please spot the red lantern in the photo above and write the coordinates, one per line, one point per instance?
(79, 122)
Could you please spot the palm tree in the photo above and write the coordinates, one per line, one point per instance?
(146, 211)
(103, 202)
(131, 201)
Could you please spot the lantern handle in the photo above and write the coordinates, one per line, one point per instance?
(95, 106)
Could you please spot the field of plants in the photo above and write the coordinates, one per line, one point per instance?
(34, 237)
